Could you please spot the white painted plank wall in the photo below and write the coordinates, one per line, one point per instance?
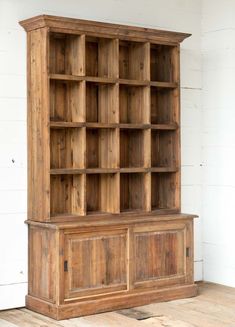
(178, 15)
(218, 140)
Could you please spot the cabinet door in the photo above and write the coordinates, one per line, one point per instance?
(162, 255)
(95, 263)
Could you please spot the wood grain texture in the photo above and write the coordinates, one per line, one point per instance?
(104, 29)
(38, 131)
(105, 229)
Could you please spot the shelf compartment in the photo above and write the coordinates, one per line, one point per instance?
(163, 63)
(164, 106)
(164, 191)
(67, 148)
(67, 195)
(102, 193)
(134, 145)
(164, 148)
(134, 60)
(134, 192)
(67, 101)
(101, 103)
(134, 106)
(102, 146)
(67, 54)
(101, 57)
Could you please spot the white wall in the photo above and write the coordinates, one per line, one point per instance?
(218, 49)
(178, 15)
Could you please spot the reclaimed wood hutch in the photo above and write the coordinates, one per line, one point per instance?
(105, 224)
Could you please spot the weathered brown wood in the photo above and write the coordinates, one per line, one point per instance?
(111, 303)
(38, 131)
(104, 168)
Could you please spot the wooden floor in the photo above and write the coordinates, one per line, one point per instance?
(213, 307)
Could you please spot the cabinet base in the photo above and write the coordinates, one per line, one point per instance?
(111, 303)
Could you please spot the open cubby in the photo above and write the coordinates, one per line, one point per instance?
(101, 103)
(67, 148)
(102, 148)
(134, 148)
(164, 145)
(134, 191)
(163, 63)
(66, 54)
(133, 104)
(133, 60)
(102, 193)
(101, 57)
(67, 195)
(164, 194)
(164, 106)
(67, 101)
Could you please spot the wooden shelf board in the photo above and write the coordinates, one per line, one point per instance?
(101, 170)
(134, 126)
(101, 125)
(67, 78)
(169, 85)
(131, 170)
(133, 82)
(71, 171)
(163, 169)
(76, 78)
(107, 80)
(101, 80)
(60, 124)
(170, 126)
(101, 219)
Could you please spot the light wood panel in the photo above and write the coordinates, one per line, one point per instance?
(96, 263)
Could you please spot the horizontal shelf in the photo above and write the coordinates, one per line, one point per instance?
(106, 80)
(133, 82)
(164, 169)
(170, 85)
(134, 126)
(75, 171)
(60, 124)
(101, 125)
(66, 171)
(134, 170)
(67, 78)
(124, 217)
(101, 80)
(171, 126)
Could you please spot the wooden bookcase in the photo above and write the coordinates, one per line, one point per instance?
(105, 224)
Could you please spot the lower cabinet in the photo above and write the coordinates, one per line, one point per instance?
(95, 269)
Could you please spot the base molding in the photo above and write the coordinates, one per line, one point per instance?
(111, 303)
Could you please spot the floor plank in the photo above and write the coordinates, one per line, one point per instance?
(213, 307)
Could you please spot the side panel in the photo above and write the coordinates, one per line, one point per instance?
(38, 129)
(43, 268)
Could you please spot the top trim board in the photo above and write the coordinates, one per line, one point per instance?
(80, 26)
